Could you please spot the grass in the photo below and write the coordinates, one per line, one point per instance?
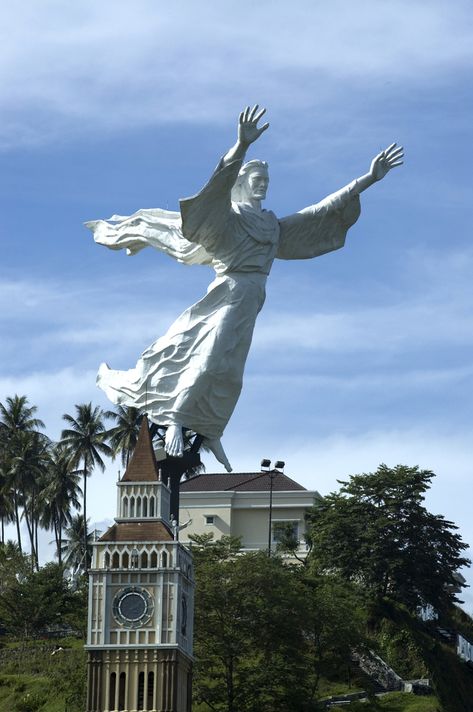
(397, 702)
(32, 679)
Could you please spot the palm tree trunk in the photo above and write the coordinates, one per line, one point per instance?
(58, 534)
(86, 560)
(17, 520)
(29, 526)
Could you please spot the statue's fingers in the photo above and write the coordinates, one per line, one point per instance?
(240, 118)
(390, 148)
(263, 128)
(259, 115)
(253, 112)
(395, 163)
(245, 113)
(395, 152)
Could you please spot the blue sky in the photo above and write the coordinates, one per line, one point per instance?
(359, 357)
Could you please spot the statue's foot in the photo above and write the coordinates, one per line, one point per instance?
(215, 446)
(174, 442)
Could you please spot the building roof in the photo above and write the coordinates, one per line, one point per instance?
(138, 531)
(241, 482)
(142, 466)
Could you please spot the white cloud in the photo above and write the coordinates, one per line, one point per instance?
(115, 64)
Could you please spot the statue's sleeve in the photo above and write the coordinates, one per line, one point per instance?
(319, 228)
(205, 216)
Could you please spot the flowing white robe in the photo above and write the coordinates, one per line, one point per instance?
(193, 374)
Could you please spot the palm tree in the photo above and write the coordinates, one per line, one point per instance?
(72, 547)
(16, 417)
(85, 443)
(6, 505)
(60, 494)
(124, 434)
(28, 472)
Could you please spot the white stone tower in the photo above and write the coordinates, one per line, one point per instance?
(141, 600)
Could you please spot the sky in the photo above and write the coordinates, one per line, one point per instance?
(359, 357)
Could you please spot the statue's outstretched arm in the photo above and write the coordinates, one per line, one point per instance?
(248, 133)
(380, 167)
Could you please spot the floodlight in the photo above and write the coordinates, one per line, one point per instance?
(279, 464)
(265, 464)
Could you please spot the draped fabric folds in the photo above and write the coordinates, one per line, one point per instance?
(193, 374)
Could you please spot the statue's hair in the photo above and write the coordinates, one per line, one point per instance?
(237, 194)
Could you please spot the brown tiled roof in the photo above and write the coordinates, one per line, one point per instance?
(241, 482)
(142, 466)
(137, 531)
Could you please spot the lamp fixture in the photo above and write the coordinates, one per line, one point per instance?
(265, 464)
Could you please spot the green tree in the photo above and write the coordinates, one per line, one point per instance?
(85, 441)
(248, 630)
(124, 434)
(73, 551)
(38, 599)
(17, 418)
(59, 496)
(28, 471)
(7, 512)
(377, 531)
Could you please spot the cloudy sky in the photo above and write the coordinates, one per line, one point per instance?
(360, 357)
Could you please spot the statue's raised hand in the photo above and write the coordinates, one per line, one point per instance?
(248, 131)
(384, 161)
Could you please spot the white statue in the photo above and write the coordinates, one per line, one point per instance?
(192, 376)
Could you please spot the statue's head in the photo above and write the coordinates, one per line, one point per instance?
(252, 182)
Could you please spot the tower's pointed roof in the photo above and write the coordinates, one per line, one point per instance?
(142, 466)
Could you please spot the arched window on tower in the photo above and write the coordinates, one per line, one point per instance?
(144, 560)
(150, 690)
(138, 506)
(106, 560)
(154, 560)
(121, 691)
(164, 560)
(125, 560)
(116, 560)
(113, 691)
(145, 506)
(125, 507)
(151, 507)
(132, 507)
(141, 691)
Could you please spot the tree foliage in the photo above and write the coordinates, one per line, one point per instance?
(377, 531)
(85, 441)
(35, 600)
(263, 629)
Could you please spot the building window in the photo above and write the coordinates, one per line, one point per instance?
(113, 684)
(284, 530)
(121, 691)
(209, 518)
(150, 690)
(141, 691)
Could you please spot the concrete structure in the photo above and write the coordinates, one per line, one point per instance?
(141, 600)
(238, 504)
(191, 377)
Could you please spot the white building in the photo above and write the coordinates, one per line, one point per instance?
(238, 504)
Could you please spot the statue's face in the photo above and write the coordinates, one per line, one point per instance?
(257, 184)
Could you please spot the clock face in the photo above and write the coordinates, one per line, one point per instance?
(133, 607)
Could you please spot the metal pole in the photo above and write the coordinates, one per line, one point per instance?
(271, 475)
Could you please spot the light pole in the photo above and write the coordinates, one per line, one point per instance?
(265, 465)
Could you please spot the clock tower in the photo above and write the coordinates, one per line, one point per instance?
(141, 600)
